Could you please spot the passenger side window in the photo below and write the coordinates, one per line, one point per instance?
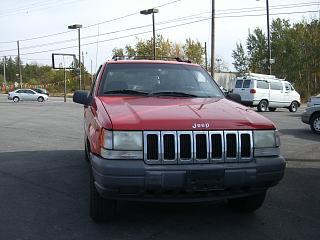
(263, 84)
(94, 80)
(239, 83)
(246, 83)
(276, 86)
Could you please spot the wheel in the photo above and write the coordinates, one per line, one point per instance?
(315, 123)
(247, 204)
(262, 106)
(293, 107)
(16, 99)
(87, 150)
(272, 109)
(101, 209)
(40, 99)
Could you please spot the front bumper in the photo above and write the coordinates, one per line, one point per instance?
(305, 117)
(135, 180)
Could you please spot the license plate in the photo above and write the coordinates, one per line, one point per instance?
(204, 180)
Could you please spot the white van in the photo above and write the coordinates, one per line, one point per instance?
(266, 92)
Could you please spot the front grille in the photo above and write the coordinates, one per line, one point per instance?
(188, 147)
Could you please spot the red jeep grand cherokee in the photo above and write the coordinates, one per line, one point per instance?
(164, 131)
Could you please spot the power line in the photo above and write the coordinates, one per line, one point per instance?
(189, 17)
(168, 3)
(160, 29)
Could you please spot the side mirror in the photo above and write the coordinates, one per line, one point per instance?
(234, 97)
(82, 97)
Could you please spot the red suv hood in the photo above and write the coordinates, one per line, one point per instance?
(168, 113)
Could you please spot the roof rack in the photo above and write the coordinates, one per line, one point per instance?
(178, 59)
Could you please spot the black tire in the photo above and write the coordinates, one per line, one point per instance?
(16, 99)
(87, 150)
(293, 107)
(315, 123)
(101, 209)
(247, 204)
(272, 109)
(40, 99)
(262, 106)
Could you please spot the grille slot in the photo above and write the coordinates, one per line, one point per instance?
(201, 146)
(185, 146)
(231, 145)
(169, 150)
(245, 145)
(216, 146)
(152, 147)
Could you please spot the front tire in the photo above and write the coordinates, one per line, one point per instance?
(16, 99)
(293, 107)
(247, 204)
(40, 99)
(262, 106)
(315, 123)
(101, 209)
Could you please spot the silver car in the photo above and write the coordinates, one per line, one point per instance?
(311, 116)
(26, 95)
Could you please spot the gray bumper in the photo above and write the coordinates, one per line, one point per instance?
(135, 180)
(305, 118)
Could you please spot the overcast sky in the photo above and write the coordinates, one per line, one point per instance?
(21, 20)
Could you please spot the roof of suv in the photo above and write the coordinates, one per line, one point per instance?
(150, 62)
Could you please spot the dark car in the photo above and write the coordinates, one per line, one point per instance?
(41, 90)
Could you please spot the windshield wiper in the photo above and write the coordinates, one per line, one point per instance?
(126, 91)
(173, 93)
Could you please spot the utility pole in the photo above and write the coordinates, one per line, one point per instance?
(212, 37)
(268, 28)
(4, 71)
(79, 59)
(84, 85)
(19, 62)
(205, 55)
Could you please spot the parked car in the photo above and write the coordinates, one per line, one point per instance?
(314, 100)
(41, 90)
(163, 131)
(26, 95)
(311, 116)
(267, 92)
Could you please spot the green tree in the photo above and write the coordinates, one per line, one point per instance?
(194, 51)
(241, 63)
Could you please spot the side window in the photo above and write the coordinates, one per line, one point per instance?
(246, 83)
(262, 84)
(287, 86)
(97, 75)
(20, 91)
(239, 83)
(276, 85)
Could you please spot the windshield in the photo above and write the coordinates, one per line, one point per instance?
(158, 79)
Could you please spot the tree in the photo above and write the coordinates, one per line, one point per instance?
(194, 51)
(241, 63)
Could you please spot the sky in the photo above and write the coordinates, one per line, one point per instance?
(41, 26)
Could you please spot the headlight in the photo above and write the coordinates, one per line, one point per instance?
(266, 143)
(127, 140)
(122, 145)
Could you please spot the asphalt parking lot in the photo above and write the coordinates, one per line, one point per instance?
(44, 186)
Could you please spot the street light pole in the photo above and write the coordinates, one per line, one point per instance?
(147, 12)
(78, 26)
